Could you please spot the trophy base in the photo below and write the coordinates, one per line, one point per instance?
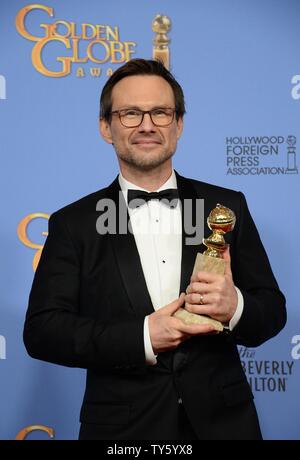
(203, 264)
(191, 318)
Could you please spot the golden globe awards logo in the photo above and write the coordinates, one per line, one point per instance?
(261, 155)
(77, 44)
(22, 435)
(22, 232)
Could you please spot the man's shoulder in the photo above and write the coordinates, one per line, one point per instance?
(83, 206)
(213, 194)
(204, 188)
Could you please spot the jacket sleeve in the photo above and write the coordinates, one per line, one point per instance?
(264, 313)
(57, 331)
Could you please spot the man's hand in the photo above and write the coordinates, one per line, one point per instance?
(167, 332)
(213, 295)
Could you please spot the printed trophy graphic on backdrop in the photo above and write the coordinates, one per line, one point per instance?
(161, 25)
(291, 155)
(221, 220)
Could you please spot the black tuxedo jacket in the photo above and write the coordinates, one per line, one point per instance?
(87, 308)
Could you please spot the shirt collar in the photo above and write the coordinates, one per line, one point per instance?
(125, 184)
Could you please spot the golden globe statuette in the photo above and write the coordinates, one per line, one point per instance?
(221, 220)
(161, 25)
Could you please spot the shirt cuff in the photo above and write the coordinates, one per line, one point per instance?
(150, 356)
(239, 310)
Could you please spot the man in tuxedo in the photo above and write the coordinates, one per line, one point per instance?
(103, 299)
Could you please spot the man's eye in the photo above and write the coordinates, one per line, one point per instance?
(159, 112)
(132, 113)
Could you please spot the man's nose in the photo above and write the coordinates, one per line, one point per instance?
(147, 124)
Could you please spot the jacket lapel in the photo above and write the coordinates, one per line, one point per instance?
(188, 197)
(127, 257)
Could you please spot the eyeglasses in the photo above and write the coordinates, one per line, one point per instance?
(132, 118)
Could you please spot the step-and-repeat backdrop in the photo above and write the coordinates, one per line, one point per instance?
(239, 64)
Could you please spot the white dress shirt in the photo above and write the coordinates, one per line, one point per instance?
(158, 236)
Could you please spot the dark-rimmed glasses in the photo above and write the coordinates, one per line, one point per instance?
(132, 118)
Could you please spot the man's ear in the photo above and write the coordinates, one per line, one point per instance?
(105, 131)
(179, 127)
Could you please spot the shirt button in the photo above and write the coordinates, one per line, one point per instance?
(179, 401)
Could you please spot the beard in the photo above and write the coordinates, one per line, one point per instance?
(144, 161)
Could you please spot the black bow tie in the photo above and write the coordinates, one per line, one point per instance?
(169, 197)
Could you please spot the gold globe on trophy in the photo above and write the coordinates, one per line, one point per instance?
(221, 220)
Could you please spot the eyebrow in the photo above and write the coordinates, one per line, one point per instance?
(139, 108)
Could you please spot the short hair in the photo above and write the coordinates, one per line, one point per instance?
(140, 67)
